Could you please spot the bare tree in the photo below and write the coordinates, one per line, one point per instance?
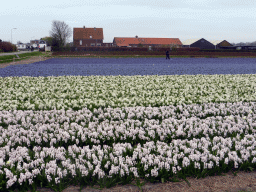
(60, 33)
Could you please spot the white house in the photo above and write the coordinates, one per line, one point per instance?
(22, 46)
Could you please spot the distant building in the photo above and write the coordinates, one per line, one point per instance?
(87, 37)
(146, 42)
(221, 43)
(107, 44)
(200, 43)
(23, 46)
(34, 43)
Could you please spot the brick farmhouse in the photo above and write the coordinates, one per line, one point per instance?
(87, 37)
(146, 42)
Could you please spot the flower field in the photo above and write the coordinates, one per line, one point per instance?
(131, 67)
(108, 130)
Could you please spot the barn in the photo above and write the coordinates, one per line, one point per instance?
(221, 43)
(199, 43)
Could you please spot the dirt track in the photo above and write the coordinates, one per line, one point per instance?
(32, 59)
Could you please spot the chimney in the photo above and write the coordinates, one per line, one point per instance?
(94, 28)
(84, 27)
(136, 36)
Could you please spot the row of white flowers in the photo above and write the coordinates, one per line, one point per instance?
(132, 123)
(138, 141)
(76, 92)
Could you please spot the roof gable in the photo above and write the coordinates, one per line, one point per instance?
(217, 42)
(126, 41)
(88, 33)
(190, 41)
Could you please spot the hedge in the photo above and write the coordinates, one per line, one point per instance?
(7, 47)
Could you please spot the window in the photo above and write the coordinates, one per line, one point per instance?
(90, 37)
(98, 44)
(92, 44)
(81, 42)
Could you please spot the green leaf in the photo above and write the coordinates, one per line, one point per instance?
(187, 182)
(251, 169)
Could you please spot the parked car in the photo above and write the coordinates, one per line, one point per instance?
(34, 45)
(42, 45)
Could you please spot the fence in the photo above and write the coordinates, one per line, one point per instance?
(48, 48)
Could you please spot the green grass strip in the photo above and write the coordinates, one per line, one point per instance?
(9, 58)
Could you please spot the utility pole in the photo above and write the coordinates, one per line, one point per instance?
(11, 34)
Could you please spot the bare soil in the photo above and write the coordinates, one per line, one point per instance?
(32, 59)
(244, 181)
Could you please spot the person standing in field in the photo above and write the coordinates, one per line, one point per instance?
(167, 54)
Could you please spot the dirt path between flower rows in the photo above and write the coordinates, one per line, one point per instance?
(244, 181)
(32, 59)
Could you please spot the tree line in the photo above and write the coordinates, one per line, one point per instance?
(244, 44)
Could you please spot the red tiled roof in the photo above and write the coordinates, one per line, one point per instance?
(85, 33)
(126, 41)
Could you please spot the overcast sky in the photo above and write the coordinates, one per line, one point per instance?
(231, 20)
